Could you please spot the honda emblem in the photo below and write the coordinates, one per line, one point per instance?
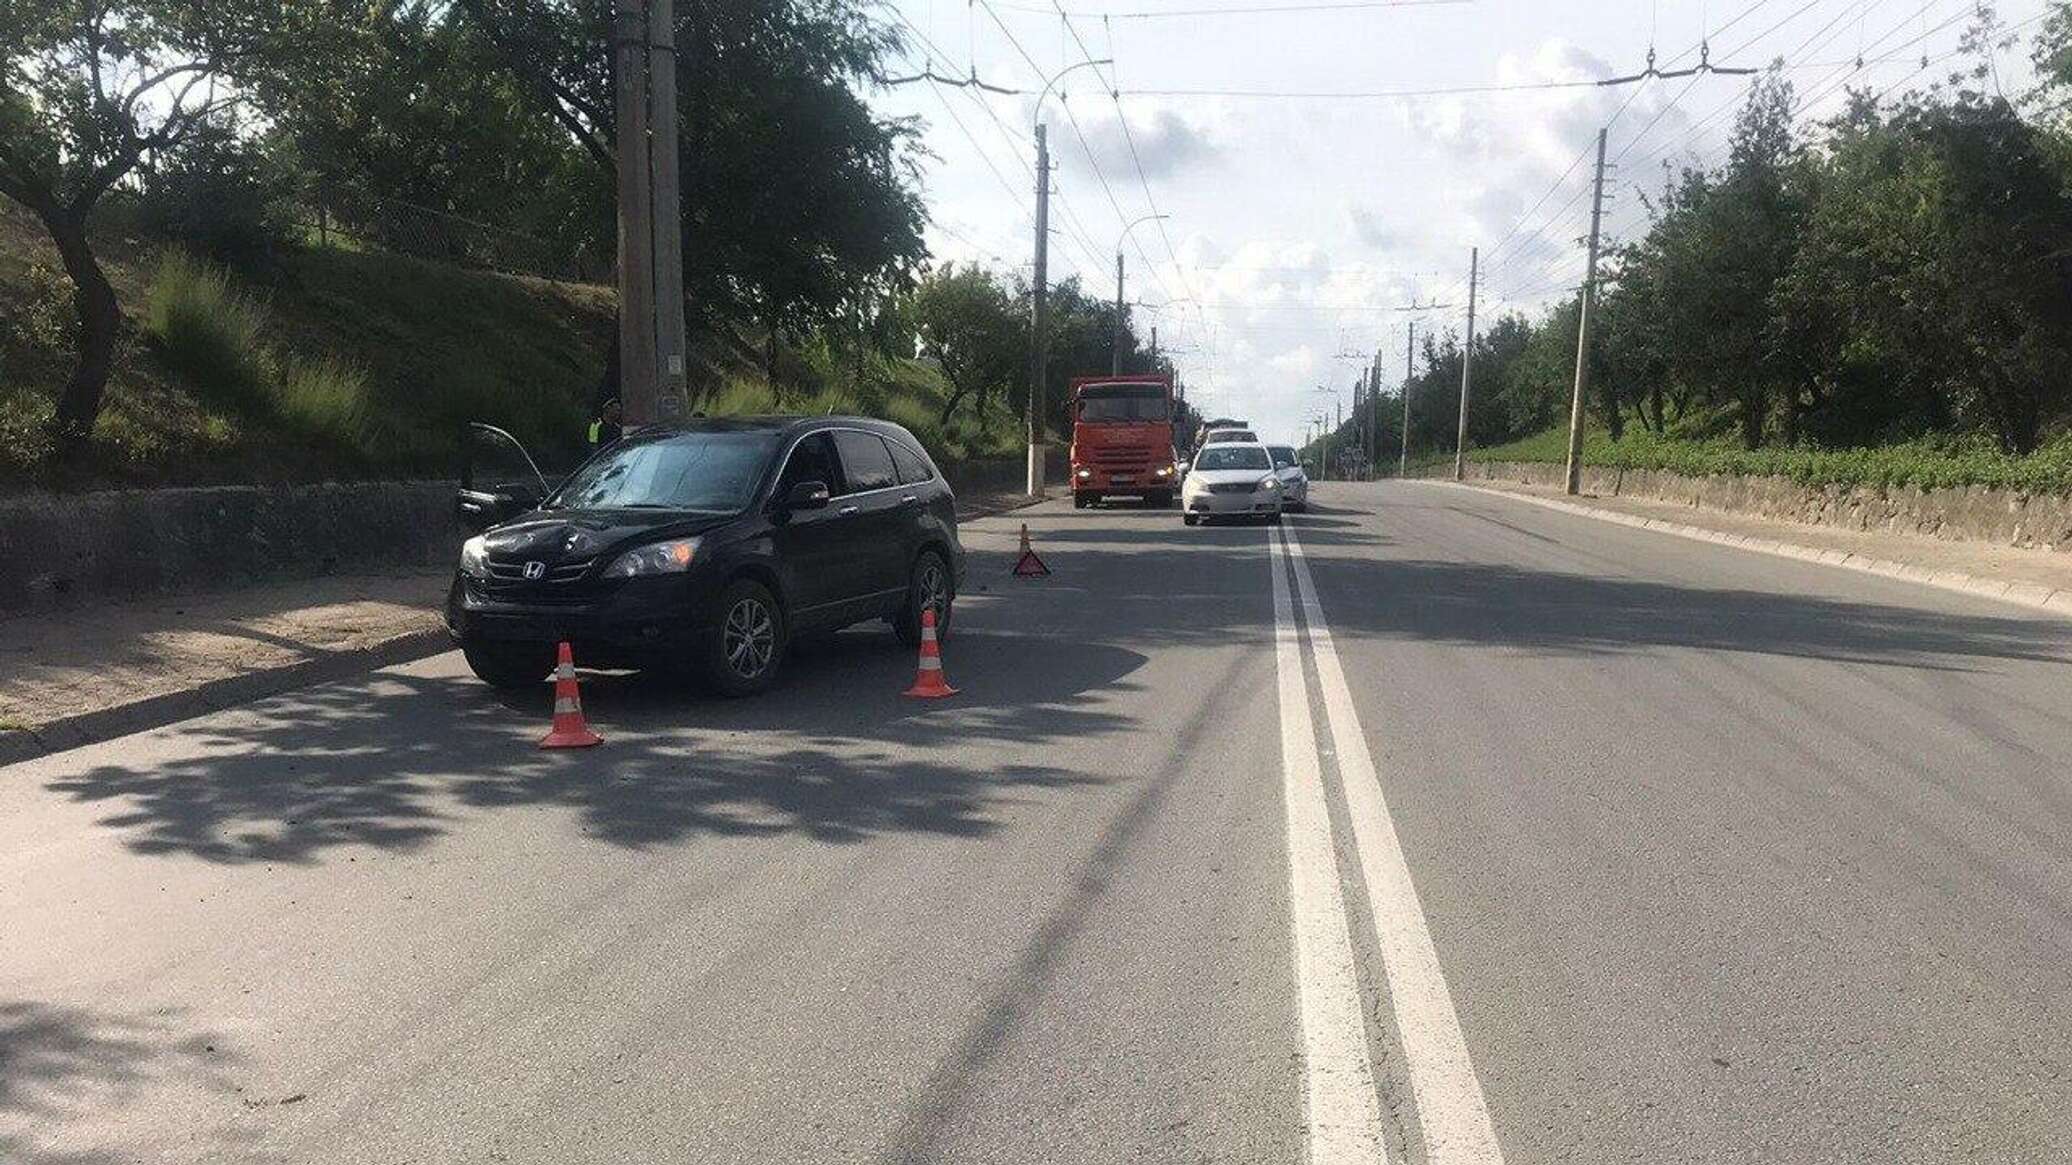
(534, 571)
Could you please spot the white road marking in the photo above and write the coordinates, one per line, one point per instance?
(1451, 1111)
(1343, 1110)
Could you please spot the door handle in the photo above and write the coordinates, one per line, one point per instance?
(909, 500)
(848, 511)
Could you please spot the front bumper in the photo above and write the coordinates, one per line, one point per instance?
(628, 623)
(1122, 479)
(1258, 502)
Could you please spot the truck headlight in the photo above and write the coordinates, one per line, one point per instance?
(474, 557)
(1162, 471)
(1084, 474)
(672, 557)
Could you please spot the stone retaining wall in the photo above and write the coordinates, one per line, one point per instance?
(65, 549)
(1965, 513)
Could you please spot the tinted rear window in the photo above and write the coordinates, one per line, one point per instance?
(913, 468)
(865, 463)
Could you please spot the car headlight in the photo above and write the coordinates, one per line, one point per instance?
(1269, 483)
(1085, 473)
(671, 557)
(474, 557)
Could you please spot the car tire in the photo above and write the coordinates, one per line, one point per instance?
(1191, 519)
(744, 651)
(509, 666)
(1079, 501)
(930, 573)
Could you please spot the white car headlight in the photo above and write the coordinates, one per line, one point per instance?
(474, 557)
(1269, 483)
(672, 557)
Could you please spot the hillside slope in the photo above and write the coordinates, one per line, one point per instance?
(433, 345)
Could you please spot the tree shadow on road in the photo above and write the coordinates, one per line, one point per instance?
(392, 760)
(61, 1065)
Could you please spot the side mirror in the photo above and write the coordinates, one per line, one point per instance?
(807, 495)
(480, 509)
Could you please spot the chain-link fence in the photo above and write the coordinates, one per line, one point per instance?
(337, 217)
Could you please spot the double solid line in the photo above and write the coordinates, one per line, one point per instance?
(1343, 1118)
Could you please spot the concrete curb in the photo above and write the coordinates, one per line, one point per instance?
(214, 696)
(2034, 596)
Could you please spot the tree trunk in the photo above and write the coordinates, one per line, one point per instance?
(100, 324)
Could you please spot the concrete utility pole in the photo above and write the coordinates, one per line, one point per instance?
(637, 384)
(1115, 360)
(1467, 370)
(1409, 374)
(1039, 322)
(667, 207)
(1575, 406)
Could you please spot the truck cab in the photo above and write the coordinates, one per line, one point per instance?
(1122, 439)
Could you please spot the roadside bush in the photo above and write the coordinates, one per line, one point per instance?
(325, 400)
(220, 196)
(209, 333)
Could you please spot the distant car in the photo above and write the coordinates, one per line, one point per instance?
(1231, 479)
(704, 547)
(1214, 436)
(1294, 480)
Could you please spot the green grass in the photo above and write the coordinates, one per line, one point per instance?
(340, 364)
(1926, 464)
(209, 333)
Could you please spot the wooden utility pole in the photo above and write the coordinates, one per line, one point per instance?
(1115, 361)
(1039, 317)
(636, 216)
(1583, 313)
(666, 209)
(1467, 370)
(1409, 374)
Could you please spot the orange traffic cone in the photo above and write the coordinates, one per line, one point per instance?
(928, 682)
(570, 730)
(1029, 566)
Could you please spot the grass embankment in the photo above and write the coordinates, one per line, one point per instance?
(1919, 464)
(326, 364)
(334, 364)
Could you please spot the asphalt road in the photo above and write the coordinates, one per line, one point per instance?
(1447, 829)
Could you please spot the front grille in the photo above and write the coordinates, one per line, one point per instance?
(1232, 487)
(560, 583)
(1126, 458)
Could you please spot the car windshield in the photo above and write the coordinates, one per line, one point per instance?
(1122, 402)
(706, 472)
(1283, 456)
(1232, 457)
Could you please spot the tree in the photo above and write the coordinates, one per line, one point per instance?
(799, 203)
(969, 326)
(88, 90)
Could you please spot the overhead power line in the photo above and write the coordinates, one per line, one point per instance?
(1236, 10)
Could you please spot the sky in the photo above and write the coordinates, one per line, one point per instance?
(1321, 168)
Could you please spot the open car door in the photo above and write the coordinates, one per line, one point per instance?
(498, 478)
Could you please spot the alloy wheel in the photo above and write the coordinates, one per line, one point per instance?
(750, 638)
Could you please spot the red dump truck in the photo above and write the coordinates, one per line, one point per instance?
(1122, 439)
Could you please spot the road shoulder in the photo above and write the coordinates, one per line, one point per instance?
(2036, 579)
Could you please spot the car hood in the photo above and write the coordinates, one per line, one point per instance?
(1226, 476)
(572, 535)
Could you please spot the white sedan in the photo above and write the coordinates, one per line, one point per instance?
(1294, 480)
(1229, 480)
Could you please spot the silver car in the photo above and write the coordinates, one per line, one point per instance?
(1294, 480)
(1230, 480)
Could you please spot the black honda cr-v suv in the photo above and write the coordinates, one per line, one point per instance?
(702, 546)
